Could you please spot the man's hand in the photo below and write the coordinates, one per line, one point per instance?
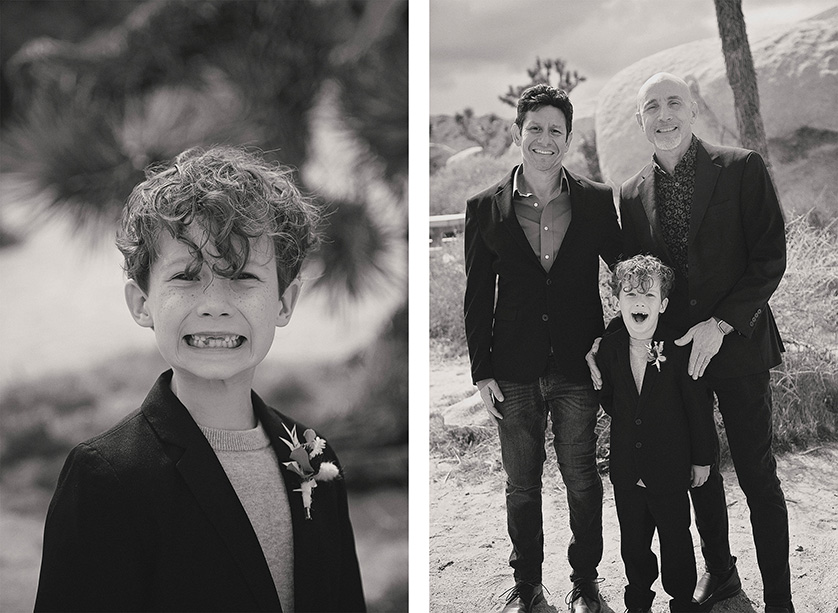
(706, 339)
(489, 391)
(590, 358)
(699, 475)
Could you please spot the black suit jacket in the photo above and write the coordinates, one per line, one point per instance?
(145, 519)
(736, 252)
(511, 331)
(658, 434)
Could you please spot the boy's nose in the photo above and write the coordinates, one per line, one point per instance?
(215, 298)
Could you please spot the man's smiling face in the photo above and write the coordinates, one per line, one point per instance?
(543, 139)
(666, 112)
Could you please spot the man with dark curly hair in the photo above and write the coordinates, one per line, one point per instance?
(204, 498)
(533, 243)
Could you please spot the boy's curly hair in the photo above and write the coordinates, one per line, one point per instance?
(640, 273)
(235, 196)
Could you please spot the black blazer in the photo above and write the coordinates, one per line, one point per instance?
(145, 519)
(736, 252)
(511, 331)
(658, 434)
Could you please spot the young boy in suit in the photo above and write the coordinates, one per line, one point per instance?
(661, 436)
(206, 499)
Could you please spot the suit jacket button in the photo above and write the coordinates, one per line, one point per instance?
(544, 317)
(637, 422)
(638, 445)
(693, 302)
(549, 281)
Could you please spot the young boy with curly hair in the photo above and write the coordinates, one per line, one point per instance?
(662, 433)
(204, 498)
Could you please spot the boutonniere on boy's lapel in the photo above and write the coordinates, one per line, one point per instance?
(656, 353)
(307, 463)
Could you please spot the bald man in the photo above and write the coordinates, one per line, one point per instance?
(712, 214)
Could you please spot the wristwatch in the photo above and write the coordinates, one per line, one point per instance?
(724, 327)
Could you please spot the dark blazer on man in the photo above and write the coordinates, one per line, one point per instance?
(657, 434)
(736, 253)
(512, 331)
(145, 519)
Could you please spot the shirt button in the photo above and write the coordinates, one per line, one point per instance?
(546, 257)
(546, 228)
(638, 421)
(638, 445)
(544, 317)
(535, 204)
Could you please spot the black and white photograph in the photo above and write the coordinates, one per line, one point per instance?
(633, 369)
(203, 269)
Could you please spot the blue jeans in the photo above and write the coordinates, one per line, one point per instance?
(573, 410)
(745, 405)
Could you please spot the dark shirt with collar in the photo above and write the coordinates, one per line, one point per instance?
(674, 195)
(543, 224)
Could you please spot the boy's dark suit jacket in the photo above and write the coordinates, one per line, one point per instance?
(736, 252)
(658, 434)
(535, 311)
(145, 519)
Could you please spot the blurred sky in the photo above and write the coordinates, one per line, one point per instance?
(480, 47)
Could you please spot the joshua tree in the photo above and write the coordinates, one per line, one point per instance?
(541, 73)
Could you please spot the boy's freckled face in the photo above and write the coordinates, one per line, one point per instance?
(641, 309)
(211, 327)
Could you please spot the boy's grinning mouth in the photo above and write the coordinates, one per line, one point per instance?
(204, 341)
(639, 317)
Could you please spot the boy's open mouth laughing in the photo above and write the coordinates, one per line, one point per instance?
(639, 317)
(214, 341)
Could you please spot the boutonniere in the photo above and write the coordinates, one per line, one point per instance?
(656, 356)
(307, 463)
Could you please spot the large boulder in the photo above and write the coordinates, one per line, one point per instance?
(797, 72)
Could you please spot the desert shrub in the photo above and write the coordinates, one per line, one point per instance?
(452, 185)
(447, 284)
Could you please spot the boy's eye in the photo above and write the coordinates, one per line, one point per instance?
(246, 276)
(184, 276)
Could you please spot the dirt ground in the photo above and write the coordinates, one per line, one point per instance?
(469, 547)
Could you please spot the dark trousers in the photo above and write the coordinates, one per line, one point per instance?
(640, 512)
(573, 409)
(745, 405)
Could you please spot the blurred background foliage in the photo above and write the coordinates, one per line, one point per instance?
(93, 92)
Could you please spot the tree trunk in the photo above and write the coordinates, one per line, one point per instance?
(742, 76)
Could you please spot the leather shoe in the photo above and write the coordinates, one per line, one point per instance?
(638, 610)
(584, 597)
(522, 598)
(771, 608)
(712, 588)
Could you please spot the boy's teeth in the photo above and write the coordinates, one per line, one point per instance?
(227, 341)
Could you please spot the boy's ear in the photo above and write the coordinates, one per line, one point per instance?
(515, 131)
(664, 302)
(137, 302)
(287, 302)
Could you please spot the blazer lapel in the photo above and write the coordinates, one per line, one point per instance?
(706, 174)
(649, 379)
(308, 569)
(205, 477)
(503, 201)
(646, 189)
(624, 367)
(578, 198)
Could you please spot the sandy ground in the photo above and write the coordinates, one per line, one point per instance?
(469, 547)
